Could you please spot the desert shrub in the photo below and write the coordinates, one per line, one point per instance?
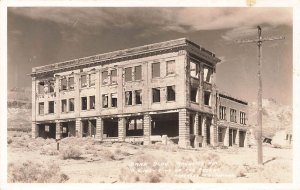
(31, 172)
(9, 140)
(49, 150)
(276, 146)
(71, 152)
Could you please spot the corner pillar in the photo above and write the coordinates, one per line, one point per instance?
(58, 130)
(147, 129)
(78, 127)
(34, 130)
(184, 128)
(99, 129)
(121, 129)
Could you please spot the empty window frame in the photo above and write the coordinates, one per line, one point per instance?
(222, 112)
(92, 79)
(51, 86)
(63, 84)
(138, 97)
(194, 94)
(64, 105)
(138, 72)
(171, 67)
(128, 74)
(41, 108)
(83, 81)
(194, 69)
(171, 93)
(207, 74)
(92, 102)
(41, 87)
(71, 104)
(105, 100)
(232, 115)
(83, 103)
(207, 98)
(155, 70)
(71, 83)
(105, 77)
(114, 100)
(155, 95)
(51, 107)
(242, 118)
(128, 98)
(113, 76)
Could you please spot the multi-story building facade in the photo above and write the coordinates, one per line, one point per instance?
(136, 94)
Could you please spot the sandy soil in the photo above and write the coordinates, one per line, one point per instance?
(123, 162)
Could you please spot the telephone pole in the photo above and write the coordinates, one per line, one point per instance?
(259, 42)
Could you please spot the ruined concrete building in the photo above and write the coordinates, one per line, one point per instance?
(138, 95)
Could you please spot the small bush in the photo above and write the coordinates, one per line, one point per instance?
(9, 141)
(276, 146)
(31, 172)
(71, 152)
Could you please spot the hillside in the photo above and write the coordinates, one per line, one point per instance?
(275, 117)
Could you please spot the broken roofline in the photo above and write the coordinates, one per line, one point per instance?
(126, 53)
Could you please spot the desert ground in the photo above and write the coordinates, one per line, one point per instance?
(84, 160)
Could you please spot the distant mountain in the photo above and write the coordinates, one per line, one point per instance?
(19, 98)
(276, 117)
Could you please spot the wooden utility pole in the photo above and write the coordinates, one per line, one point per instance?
(259, 42)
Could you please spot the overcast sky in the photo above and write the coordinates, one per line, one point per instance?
(41, 36)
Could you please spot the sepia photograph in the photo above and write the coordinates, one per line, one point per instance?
(150, 95)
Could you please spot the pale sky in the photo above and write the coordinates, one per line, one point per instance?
(41, 36)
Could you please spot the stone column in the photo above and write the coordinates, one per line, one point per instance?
(237, 138)
(196, 129)
(213, 133)
(147, 129)
(99, 129)
(226, 137)
(204, 142)
(78, 127)
(184, 129)
(58, 130)
(34, 130)
(121, 128)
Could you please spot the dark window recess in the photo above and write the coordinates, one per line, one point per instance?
(92, 79)
(222, 112)
(63, 105)
(155, 95)
(194, 94)
(83, 103)
(105, 77)
(63, 83)
(171, 67)
(194, 69)
(138, 72)
(155, 70)
(71, 104)
(83, 81)
(171, 95)
(51, 86)
(128, 74)
(114, 100)
(41, 108)
(128, 98)
(92, 102)
(138, 97)
(105, 101)
(113, 75)
(71, 83)
(232, 115)
(51, 107)
(207, 74)
(207, 98)
(41, 88)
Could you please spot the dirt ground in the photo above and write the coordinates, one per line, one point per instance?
(84, 160)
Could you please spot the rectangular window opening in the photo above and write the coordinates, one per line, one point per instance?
(222, 113)
(51, 86)
(104, 100)
(138, 72)
(155, 70)
(171, 95)
(194, 94)
(41, 88)
(194, 69)
(114, 100)
(155, 95)
(92, 79)
(138, 97)
(71, 83)
(41, 108)
(71, 104)
(83, 103)
(128, 98)
(232, 115)
(92, 102)
(83, 81)
(105, 77)
(63, 83)
(207, 74)
(51, 107)
(128, 74)
(207, 98)
(171, 67)
(113, 75)
(64, 105)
